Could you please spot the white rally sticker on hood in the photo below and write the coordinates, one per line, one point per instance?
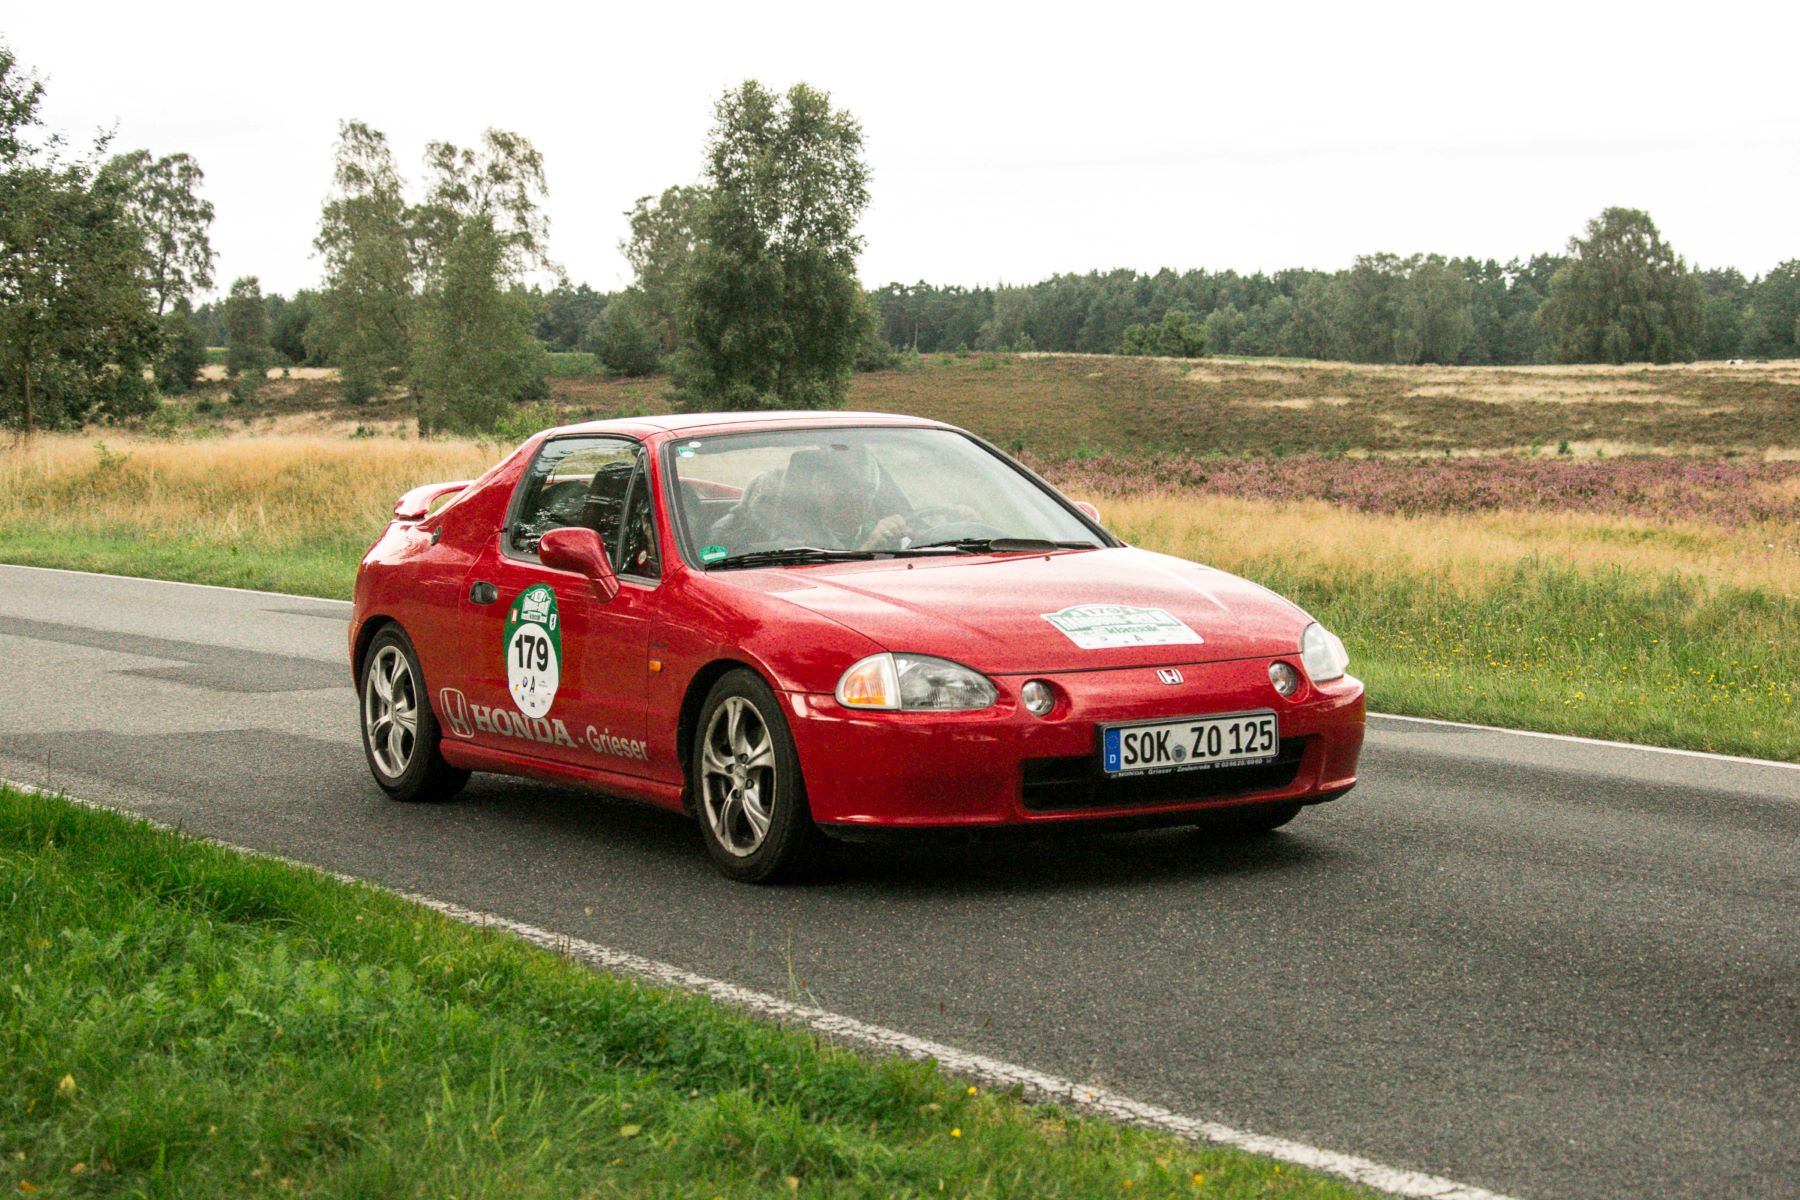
(1108, 626)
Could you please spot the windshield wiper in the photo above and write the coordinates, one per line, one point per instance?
(1003, 545)
(790, 556)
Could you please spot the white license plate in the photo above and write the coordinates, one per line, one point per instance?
(1238, 740)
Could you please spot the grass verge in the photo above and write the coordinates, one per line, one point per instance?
(1682, 636)
(184, 1020)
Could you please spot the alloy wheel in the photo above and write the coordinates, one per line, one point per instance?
(737, 776)
(391, 711)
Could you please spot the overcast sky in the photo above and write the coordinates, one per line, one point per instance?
(1006, 142)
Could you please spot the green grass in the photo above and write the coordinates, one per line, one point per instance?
(1615, 655)
(573, 364)
(180, 1020)
(308, 567)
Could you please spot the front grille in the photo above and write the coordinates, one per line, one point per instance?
(1064, 784)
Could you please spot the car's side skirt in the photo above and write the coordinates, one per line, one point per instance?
(613, 783)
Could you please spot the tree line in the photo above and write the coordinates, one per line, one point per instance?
(1619, 294)
(744, 284)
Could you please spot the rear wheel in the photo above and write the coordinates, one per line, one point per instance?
(748, 793)
(399, 731)
(1247, 821)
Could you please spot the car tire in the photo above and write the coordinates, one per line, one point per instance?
(1248, 821)
(400, 734)
(748, 794)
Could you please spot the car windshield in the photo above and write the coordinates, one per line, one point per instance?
(791, 496)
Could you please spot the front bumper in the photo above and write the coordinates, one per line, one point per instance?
(1004, 767)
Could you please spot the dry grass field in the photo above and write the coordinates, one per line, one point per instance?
(1070, 406)
(1061, 405)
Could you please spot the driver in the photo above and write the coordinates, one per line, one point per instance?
(832, 498)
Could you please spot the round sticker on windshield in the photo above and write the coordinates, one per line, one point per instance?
(712, 554)
(534, 650)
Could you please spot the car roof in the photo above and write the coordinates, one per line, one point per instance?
(697, 423)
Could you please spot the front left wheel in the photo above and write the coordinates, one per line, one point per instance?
(399, 731)
(747, 789)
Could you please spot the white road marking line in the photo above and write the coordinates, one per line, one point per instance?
(1588, 741)
(1037, 1085)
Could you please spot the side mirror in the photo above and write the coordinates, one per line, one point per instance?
(1088, 510)
(580, 551)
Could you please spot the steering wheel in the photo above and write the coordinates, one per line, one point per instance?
(946, 523)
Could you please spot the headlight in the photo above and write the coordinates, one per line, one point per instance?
(914, 683)
(1322, 654)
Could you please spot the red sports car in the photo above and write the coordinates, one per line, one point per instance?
(802, 624)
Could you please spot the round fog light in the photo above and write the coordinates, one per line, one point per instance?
(1285, 678)
(1038, 698)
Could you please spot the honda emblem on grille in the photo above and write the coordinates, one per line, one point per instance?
(1169, 675)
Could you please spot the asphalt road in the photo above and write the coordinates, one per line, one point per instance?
(1538, 966)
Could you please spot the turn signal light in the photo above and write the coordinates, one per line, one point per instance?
(1285, 678)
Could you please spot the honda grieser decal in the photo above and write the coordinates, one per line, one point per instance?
(465, 720)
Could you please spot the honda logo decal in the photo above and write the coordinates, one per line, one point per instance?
(456, 712)
(1169, 675)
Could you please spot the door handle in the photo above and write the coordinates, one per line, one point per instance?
(483, 592)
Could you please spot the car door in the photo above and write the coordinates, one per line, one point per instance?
(552, 672)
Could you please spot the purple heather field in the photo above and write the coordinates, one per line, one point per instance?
(1727, 492)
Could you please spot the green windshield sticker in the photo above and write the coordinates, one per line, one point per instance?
(685, 452)
(712, 554)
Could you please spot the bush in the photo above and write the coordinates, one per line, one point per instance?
(1177, 337)
(625, 341)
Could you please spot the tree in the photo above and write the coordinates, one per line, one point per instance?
(76, 326)
(432, 293)
(473, 350)
(1624, 296)
(364, 314)
(176, 222)
(565, 315)
(1224, 325)
(1365, 303)
(482, 225)
(1772, 326)
(501, 183)
(290, 321)
(247, 350)
(1432, 321)
(176, 226)
(1726, 300)
(183, 350)
(771, 305)
(661, 246)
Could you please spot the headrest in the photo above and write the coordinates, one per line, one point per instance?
(851, 468)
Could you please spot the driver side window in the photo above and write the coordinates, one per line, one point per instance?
(573, 482)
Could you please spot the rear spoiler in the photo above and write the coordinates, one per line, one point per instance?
(417, 503)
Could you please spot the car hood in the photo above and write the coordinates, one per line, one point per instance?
(1071, 611)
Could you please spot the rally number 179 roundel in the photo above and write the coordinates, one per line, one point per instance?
(533, 650)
